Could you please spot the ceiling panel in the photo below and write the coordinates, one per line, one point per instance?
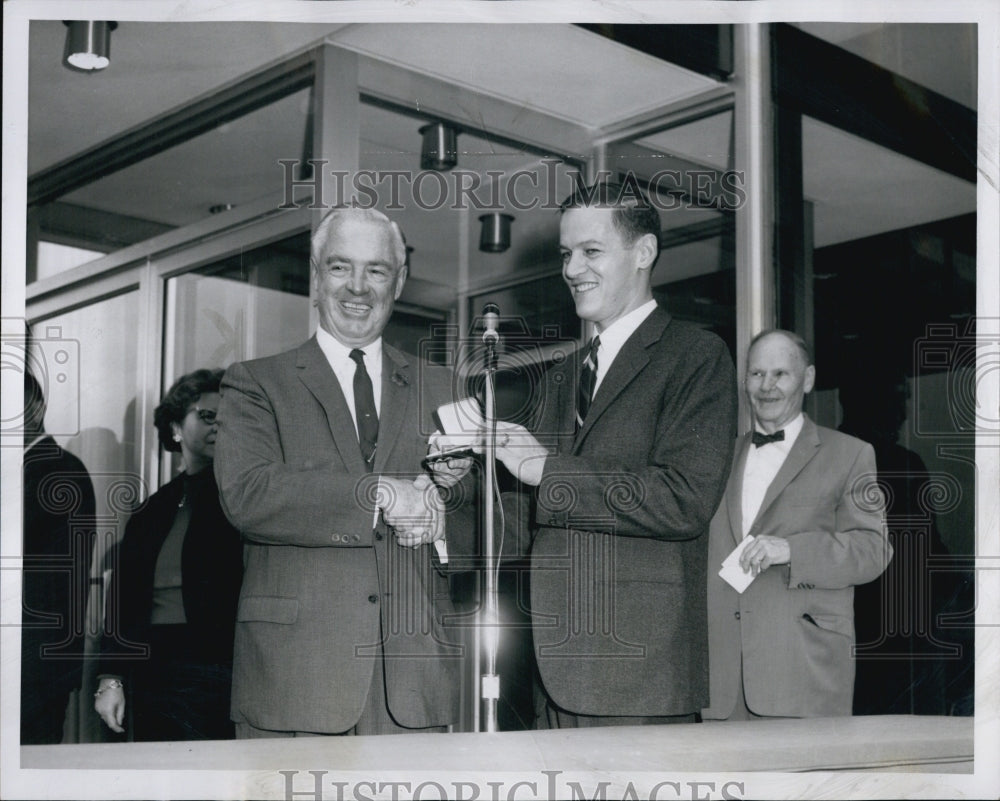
(235, 163)
(940, 56)
(155, 66)
(561, 70)
(706, 141)
(860, 189)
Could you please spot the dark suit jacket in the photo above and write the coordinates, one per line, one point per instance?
(793, 627)
(58, 543)
(621, 523)
(211, 570)
(322, 583)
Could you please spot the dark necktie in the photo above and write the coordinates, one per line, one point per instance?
(588, 377)
(364, 408)
(763, 439)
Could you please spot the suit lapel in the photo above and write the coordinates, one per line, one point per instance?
(392, 408)
(315, 372)
(804, 449)
(734, 492)
(629, 362)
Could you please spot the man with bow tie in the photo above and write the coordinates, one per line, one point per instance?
(808, 497)
(623, 468)
(319, 465)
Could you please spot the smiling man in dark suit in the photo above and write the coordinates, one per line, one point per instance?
(318, 460)
(809, 498)
(628, 457)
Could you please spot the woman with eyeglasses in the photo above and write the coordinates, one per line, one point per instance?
(171, 606)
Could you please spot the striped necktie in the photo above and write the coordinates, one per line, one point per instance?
(588, 377)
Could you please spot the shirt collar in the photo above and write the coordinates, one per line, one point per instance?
(337, 353)
(35, 441)
(615, 335)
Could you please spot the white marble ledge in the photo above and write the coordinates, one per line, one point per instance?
(893, 743)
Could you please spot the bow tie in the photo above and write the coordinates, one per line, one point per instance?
(759, 439)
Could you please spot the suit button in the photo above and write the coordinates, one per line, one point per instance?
(373, 599)
(355, 538)
(335, 538)
(737, 615)
(378, 535)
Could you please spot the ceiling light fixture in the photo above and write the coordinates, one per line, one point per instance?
(440, 147)
(88, 44)
(495, 234)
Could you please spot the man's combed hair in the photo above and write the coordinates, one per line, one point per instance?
(634, 216)
(335, 215)
(34, 403)
(175, 404)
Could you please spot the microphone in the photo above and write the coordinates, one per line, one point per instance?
(491, 319)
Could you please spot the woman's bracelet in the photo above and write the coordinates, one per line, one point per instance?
(113, 684)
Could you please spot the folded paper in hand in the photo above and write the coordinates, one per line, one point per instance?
(461, 419)
(442, 551)
(461, 424)
(731, 570)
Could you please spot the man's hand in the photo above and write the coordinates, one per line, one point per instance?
(763, 552)
(110, 705)
(520, 452)
(448, 471)
(413, 508)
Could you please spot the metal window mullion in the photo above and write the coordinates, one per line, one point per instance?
(753, 141)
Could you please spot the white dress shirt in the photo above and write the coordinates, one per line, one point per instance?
(614, 337)
(763, 464)
(339, 357)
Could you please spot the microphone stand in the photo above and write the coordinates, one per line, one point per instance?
(490, 681)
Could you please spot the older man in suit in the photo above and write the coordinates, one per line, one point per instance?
(318, 460)
(628, 458)
(808, 497)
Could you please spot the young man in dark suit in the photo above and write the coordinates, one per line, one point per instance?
(625, 464)
(809, 498)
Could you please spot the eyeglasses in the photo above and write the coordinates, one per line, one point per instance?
(207, 416)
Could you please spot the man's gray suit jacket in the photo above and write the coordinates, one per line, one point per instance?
(793, 627)
(323, 584)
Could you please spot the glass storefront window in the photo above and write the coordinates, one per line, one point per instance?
(86, 361)
(688, 171)
(249, 305)
(54, 258)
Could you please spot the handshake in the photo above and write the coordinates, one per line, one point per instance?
(415, 508)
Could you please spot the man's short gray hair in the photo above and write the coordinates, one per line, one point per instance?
(335, 215)
(791, 336)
